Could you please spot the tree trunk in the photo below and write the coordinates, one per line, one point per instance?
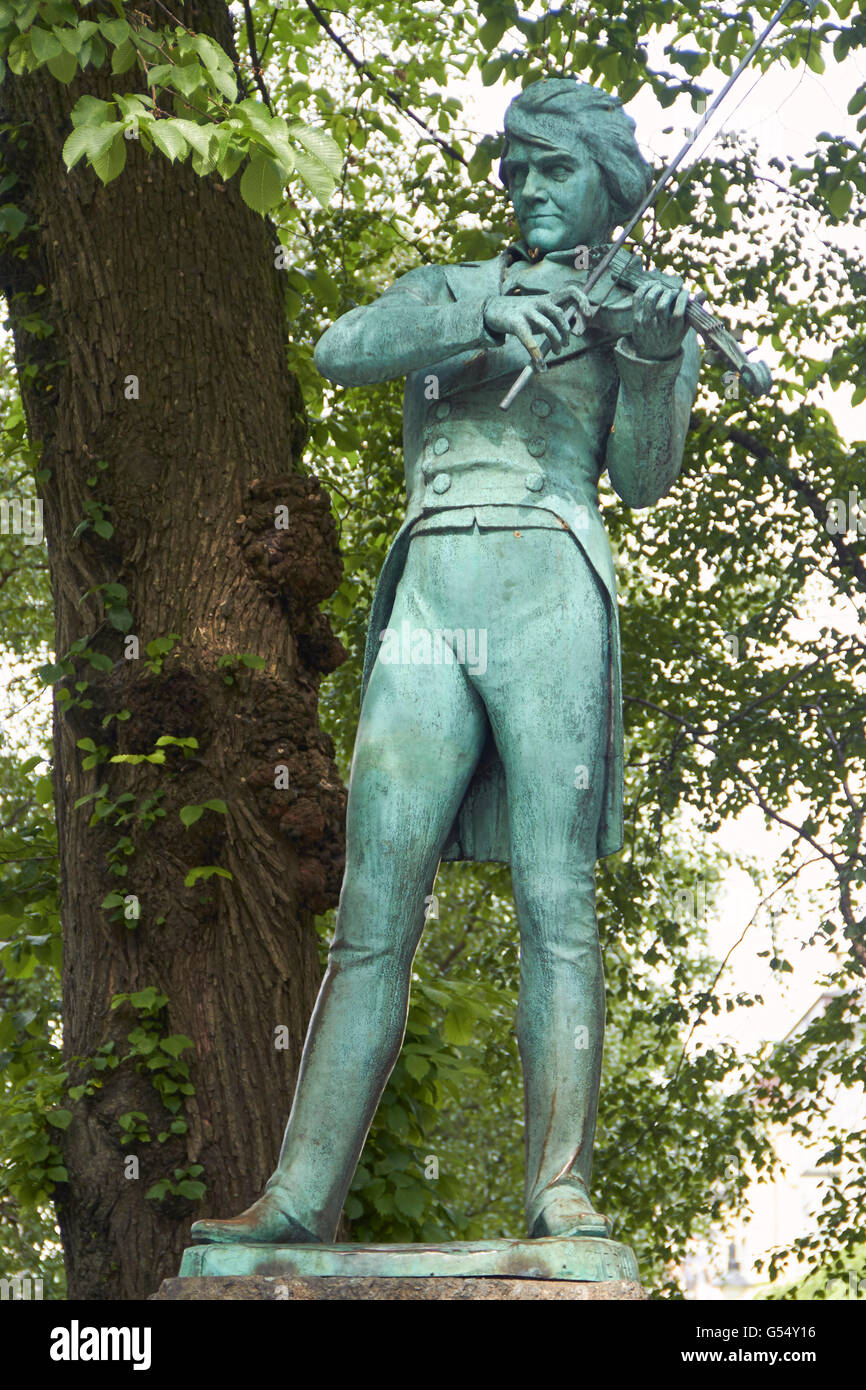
(170, 279)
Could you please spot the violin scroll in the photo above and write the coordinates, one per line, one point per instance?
(756, 377)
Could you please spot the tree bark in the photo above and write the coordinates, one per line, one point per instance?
(169, 278)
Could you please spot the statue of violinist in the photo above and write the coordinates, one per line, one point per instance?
(513, 753)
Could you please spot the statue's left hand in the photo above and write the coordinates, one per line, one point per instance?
(659, 318)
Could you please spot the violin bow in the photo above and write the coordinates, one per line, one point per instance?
(598, 271)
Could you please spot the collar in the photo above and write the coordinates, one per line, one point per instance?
(519, 251)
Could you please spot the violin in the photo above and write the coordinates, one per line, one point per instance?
(625, 269)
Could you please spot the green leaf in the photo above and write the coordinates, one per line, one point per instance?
(63, 67)
(319, 161)
(136, 758)
(190, 814)
(12, 220)
(459, 1026)
(411, 1201)
(44, 790)
(70, 38)
(320, 145)
(187, 78)
(159, 646)
(123, 58)
(108, 166)
(230, 161)
(198, 136)
(218, 64)
(191, 1189)
(121, 618)
(839, 200)
(45, 45)
(210, 52)
(254, 115)
(60, 1119)
(205, 871)
(316, 177)
(344, 434)
(397, 1119)
(77, 145)
(159, 74)
(417, 1067)
(117, 31)
(206, 163)
(150, 41)
(92, 111)
(262, 184)
(148, 998)
(226, 83)
(100, 660)
(104, 146)
(814, 59)
(167, 138)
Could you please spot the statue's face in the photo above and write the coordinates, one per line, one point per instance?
(558, 195)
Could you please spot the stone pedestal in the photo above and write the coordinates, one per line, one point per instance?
(553, 1269)
(334, 1288)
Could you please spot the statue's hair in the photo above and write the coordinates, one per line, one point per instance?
(562, 113)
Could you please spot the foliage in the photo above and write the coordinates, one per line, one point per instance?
(213, 123)
(731, 702)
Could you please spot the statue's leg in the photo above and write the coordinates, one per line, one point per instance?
(420, 734)
(549, 713)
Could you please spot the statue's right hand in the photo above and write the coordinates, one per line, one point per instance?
(528, 317)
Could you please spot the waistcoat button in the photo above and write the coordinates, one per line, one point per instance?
(442, 482)
(541, 408)
(537, 447)
(443, 410)
(441, 446)
(534, 481)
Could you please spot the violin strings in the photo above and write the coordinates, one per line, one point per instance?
(687, 173)
(729, 117)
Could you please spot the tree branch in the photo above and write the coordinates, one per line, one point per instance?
(846, 554)
(394, 97)
(254, 56)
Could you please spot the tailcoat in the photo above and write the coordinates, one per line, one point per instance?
(597, 406)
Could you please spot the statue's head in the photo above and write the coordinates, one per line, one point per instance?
(571, 164)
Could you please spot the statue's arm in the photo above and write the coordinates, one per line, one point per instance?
(645, 447)
(414, 323)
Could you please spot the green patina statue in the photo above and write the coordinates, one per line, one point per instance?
(491, 723)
